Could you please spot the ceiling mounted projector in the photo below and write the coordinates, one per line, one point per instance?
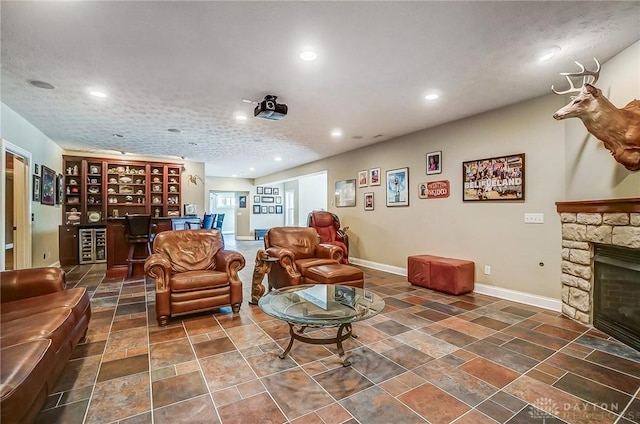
(269, 109)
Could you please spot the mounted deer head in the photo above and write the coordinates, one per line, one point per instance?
(618, 129)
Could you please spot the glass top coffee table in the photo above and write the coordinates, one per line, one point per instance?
(318, 306)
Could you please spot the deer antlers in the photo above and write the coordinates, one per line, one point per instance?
(589, 77)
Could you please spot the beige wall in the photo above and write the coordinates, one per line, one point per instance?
(44, 229)
(591, 171)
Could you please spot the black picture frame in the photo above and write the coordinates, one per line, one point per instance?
(268, 190)
(60, 189)
(242, 202)
(259, 190)
(268, 199)
(276, 191)
(264, 209)
(36, 168)
(278, 199)
(499, 178)
(36, 189)
(272, 209)
(279, 209)
(256, 209)
(48, 186)
(256, 199)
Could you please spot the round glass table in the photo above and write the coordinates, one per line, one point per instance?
(318, 306)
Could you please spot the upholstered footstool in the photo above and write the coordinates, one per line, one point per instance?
(345, 275)
(448, 275)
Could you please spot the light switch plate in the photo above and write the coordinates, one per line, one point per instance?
(534, 218)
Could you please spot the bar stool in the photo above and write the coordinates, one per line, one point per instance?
(138, 233)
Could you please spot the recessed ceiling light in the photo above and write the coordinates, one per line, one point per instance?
(336, 132)
(308, 55)
(99, 94)
(432, 96)
(277, 158)
(41, 84)
(252, 169)
(240, 117)
(174, 130)
(233, 176)
(548, 54)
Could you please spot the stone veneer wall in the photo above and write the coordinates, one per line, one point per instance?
(580, 230)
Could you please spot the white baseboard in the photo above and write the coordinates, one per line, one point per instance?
(245, 238)
(56, 264)
(499, 292)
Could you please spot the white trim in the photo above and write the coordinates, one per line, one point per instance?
(56, 264)
(377, 265)
(499, 292)
(521, 297)
(246, 238)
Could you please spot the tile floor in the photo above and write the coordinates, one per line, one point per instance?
(428, 357)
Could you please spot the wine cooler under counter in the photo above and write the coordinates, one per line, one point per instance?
(92, 245)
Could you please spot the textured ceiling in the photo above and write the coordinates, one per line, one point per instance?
(188, 65)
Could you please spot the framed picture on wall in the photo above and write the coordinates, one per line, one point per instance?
(242, 201)
(268, 190)
(36, 188)
(259, 190)
(497, 178)
(278, 199)
(267, 199)
(279, 209)
(256, 209)
(256, 199)
(362, 178)
(345, 193)
(434, 163)
(398, 187)
(276, 191)
(374, 177)
(272, 209)
(60, 189)
(368, 201)
(264, 209)
(48, 186)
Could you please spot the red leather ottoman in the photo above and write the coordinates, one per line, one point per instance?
(448, 275)
(345, 275)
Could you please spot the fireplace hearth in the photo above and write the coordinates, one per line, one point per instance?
(616, 293)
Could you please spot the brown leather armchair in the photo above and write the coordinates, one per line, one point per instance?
(327, 225)
(297, 249)
(193, 273)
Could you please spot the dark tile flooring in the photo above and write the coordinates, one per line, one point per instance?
(428, 357)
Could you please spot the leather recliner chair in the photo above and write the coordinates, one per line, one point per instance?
(193, 273)
(297, 249)
(327, 225)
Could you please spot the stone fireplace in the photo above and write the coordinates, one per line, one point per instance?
(585, 226)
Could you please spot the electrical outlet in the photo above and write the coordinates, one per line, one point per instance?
(534, 218)
(487, 270)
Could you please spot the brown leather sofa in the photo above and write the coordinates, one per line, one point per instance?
(302, 259)
(193, 273)
(41, 325)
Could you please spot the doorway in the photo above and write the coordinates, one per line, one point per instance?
(15, 237)
(221, 202)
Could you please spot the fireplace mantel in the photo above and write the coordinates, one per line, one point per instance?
(600, 206)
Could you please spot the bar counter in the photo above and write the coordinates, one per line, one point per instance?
(118, 248)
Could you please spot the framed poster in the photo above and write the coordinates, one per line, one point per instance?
(272, 209)
(434, 163)
(268, 199)
(276, 191)
(498, 178)
(60, 189)
(278, 199)
(264, 209)
(268, 190)
(398, 187)
(48, 186)
(36, 189)
(345, 193)
(256, 199)
(374, 177)
(368, 201)
(362, 178)
(259, 190)
(256, 209)
(242, 201)
(279, 209)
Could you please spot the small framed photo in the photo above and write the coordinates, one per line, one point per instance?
(264, 209)
(434, 163)
(368, 201)
(278, 209)
(256, 209)
(272, 209)
(259, 190)
(36, 169)
(374, 177)
(276, 191)
(36, 189)
(268, 190)
(60, 189)
(256, 199)
(242, 202)
(279, 199)
(362, 178)
(267, 199)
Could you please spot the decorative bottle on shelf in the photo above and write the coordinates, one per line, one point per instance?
(156, 212)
